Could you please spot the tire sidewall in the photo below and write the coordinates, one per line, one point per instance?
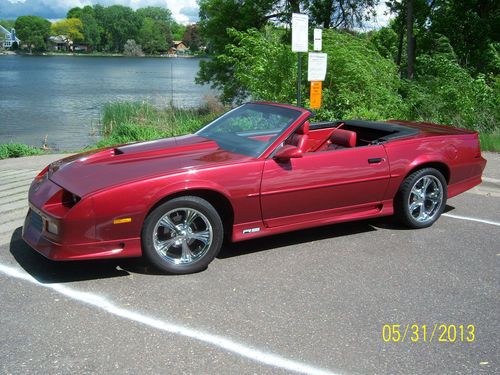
(405, 191)
(152, 219)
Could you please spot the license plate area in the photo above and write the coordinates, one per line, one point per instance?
(36, 221)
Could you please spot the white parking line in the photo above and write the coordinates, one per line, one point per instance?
(215, 340)
(472, 219)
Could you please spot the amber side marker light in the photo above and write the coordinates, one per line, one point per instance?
(122, 220)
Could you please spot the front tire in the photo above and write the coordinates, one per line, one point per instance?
(421, 198)
(182, 235)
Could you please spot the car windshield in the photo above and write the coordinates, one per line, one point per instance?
(250, 128)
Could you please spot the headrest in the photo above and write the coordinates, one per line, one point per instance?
(344, 138)
(303, 129)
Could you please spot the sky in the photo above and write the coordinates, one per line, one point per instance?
(184, 11)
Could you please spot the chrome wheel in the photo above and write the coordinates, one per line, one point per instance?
(182, 236)
(425, 199)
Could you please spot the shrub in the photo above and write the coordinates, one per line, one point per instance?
(131, 48)
(15, 150)
(359, 82)
(444, 92)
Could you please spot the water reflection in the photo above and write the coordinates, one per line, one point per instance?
(62, 97)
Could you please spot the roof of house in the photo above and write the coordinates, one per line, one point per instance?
(59, 39)
(9, 33)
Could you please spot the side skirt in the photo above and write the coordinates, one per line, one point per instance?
(256, 229)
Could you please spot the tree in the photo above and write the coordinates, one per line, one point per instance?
(121, 24)
(410, 39)
(252, 55)
(156, 14)
(472, 27)
(346, 14)
(177, 30)
(33, 31)
(154, 36)
(217, 16)
(75, 12)
(131, 48)
(8, 24)
(192, 37)
(69, 27)
(91, 30)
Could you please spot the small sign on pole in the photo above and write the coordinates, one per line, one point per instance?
(318, 39)
(316, 66)
(300, 31)
(315, 95)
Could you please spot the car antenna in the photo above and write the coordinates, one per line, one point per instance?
(172, 96)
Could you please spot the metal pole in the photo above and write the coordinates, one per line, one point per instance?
(299, 77)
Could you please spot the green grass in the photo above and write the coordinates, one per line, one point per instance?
(490, 142)
(15, 150)
(125, 122)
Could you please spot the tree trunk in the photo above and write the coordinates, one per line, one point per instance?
(327, 20)
(410, 40)
(294, 6)
(401, 32)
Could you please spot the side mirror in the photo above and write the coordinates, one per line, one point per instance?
(288, 152)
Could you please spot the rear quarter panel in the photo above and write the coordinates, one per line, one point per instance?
(459, 153)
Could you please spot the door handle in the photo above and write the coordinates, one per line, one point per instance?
(375, 160)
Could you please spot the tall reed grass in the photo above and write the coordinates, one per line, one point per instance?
(125, 122)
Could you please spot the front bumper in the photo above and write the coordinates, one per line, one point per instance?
(35, 234)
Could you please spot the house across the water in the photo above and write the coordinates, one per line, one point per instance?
(178, 48)
(60, 43)
(8, 38)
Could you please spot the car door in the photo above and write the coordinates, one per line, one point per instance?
(323, 184)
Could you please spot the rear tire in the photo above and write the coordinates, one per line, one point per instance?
(182, 235)
(421, 198)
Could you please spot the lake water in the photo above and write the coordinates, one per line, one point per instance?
(61, 97)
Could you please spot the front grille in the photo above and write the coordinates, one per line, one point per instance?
(36, 221)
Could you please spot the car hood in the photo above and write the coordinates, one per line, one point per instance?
(89, 172)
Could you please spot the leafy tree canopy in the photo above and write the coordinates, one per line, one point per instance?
(70, 27)
(33, 31)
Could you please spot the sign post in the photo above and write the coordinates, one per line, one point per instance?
(300, 29)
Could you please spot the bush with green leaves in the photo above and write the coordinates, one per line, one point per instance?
(359, 82)
(446, 93)
(262, 64)
(15, 150)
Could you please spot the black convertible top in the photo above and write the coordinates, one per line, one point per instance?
(386, 130)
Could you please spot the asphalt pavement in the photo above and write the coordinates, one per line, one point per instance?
(313, 301)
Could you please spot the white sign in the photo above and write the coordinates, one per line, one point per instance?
(316, 66)
(300, 29)
(318, 39)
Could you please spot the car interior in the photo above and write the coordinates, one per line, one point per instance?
(328, 136)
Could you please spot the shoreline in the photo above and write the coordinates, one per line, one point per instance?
(77, 54)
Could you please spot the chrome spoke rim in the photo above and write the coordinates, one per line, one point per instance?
(425, 199)
(182, 236)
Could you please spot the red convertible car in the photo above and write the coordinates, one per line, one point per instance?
(258, 170)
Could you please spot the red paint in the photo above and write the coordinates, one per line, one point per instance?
(318, 188)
